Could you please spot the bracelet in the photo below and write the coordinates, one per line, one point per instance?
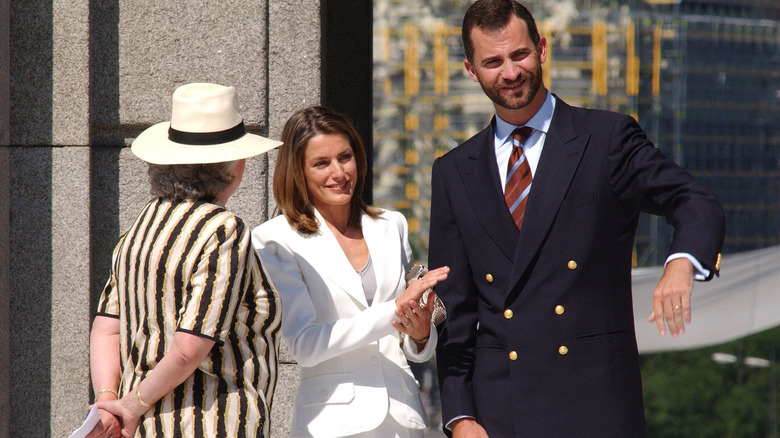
(140, 400)
(103, 391)
(421, 341)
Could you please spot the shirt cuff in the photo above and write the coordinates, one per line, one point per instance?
(449, 423)
(699, 273)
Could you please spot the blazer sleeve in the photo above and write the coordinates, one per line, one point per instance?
(407, 260)
(641, 174)
(410, 348)
(310, 341)
(457, 335)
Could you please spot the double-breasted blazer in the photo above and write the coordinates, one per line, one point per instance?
(539, 338)
(353, 363)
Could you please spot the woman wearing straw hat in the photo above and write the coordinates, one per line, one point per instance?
(185, 338)
(349, 319)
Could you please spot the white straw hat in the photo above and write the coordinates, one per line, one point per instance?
(205, 127)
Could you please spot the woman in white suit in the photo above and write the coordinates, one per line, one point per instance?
(339, 266)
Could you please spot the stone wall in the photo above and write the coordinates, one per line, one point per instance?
(5, 329)
(78, 81)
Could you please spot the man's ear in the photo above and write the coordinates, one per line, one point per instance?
(470, 70)
(542, 49)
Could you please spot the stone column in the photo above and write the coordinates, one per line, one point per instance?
(294, 72)
(70, 214)
(83, 79)
(5, 328)
(29, 188)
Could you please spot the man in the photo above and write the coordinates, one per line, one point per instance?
(539, 340)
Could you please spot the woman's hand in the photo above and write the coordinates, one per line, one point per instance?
(416, 289)
(127, 410)
(181, 360)
(104, 370)
(414, 320)
(107, 427)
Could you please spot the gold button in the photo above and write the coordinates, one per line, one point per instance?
(512, 355)
(508, 314)
(489, 278)
(559, 309)
(572, 265)
(562, 350)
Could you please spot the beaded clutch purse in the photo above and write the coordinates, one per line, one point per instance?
(439, 311)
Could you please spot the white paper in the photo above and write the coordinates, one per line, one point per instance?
(89, 423)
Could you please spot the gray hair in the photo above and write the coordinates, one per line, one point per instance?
(179, 182)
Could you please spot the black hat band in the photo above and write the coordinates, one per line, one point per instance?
(207, 138)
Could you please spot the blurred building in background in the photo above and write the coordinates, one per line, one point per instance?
(702, 77)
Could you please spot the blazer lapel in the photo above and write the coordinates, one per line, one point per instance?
(384, 245)
(480, 178)
(562, 153)
(327, 250)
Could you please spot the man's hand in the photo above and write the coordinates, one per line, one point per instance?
(672, 298)
(468, 428)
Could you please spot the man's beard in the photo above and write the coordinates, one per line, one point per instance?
(533, 81)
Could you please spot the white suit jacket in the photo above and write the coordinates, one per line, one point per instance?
(353, 366)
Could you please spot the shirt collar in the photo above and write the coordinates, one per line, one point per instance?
(540, 121)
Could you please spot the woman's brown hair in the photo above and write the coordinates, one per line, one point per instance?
(290, 193)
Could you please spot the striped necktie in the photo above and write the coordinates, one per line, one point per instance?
(518, 177)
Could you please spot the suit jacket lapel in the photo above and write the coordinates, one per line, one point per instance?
(561, 155)
(327, 250)
(483, 188)
(384, 245)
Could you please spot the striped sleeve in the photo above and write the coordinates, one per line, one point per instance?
(214, 290)
(108, 303)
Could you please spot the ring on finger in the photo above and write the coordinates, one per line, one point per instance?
(677, 307)
(409, 324)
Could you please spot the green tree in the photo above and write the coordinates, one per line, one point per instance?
(688, 395)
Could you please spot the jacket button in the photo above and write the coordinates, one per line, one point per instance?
(489, 278)
(508, 314)
(559, 310)
(512, 355)
(572, 265)
(562, 350)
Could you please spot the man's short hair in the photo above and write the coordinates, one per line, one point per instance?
(491, 16)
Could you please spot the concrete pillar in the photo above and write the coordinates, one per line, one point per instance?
(5, 290)
(294, 72)
(30, 216)
(70, 298)
(5, 61)
(70, 215)
(5, 328)
(78, 81)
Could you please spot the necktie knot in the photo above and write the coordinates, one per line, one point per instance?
(520, 135)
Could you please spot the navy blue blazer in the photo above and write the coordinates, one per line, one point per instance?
(539, 339)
